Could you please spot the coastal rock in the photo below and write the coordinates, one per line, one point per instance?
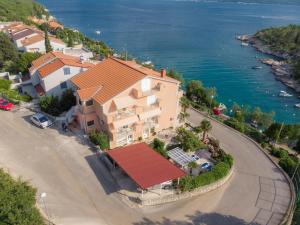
(280, 68)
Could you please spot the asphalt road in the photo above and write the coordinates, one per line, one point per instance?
(80, 190)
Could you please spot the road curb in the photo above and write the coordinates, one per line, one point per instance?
(289, 214)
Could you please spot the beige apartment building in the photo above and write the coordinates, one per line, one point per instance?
(126, 100)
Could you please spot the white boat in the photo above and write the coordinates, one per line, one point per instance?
(245, 44)
(297, 105)
(98, 32)
(284, 94)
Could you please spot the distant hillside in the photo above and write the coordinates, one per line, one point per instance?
(20, 10)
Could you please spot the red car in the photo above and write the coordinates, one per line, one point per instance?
(6, 105)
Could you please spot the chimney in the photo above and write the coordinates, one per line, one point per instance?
(81, 59)
(163, 73)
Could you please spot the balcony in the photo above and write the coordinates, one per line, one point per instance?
(141, 94)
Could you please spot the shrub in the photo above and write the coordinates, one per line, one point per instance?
(235, 124)
(279, 152)
(100, 138)
(159, 146)
(68, 100)
(50, 105)
(288, 164)
(220, 170)
(17, 202)
(5, 84)
(189, 141)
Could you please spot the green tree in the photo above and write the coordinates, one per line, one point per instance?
(50, 105)
(48, 46)
(25, 61)
(175, 75)
(256, 114)
(17, 202)
(100, 138)
(185, 103)
(8, 53)
(159, 146)
(297, 147)
(274, 132)
(188, 140)
(266, 120)
(70, 41)
(68, 99)
(205, 127)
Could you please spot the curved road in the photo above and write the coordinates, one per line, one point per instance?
(80, 191)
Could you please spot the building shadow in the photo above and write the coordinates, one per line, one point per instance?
(198, 218)
(102, 173)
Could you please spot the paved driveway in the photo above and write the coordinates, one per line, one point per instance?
(80, 191)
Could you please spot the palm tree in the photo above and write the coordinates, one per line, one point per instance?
(182, 116)
(206, 127)
(185, 103)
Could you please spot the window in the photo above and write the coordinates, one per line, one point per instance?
(89, 102)
(63, 85)
(67, 71)
(151, 100)
(90, 123)
(146, 84)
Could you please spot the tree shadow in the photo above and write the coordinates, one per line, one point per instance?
(199, 219)
(103, 175)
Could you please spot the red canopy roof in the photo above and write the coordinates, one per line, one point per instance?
(145, 166)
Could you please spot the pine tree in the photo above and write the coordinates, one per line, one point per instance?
(47, 42)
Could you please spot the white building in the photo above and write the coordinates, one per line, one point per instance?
(50, 74)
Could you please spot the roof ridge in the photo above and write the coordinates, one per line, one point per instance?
(123, 63)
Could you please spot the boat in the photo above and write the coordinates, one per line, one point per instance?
(284, 94)
(297, 105)
(245, 44)
(257, 67)
(98, 32)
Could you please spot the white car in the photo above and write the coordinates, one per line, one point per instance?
(41, 120)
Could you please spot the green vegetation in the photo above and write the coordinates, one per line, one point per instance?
(198, 94)
(48, 46)
(188, 140)
(11, 60)
(17, 202)
(159, 146)
(284, 40)
(177, 76)
(55, 106)
(20, 10)
(100, 138)
(220, 170)
(10, 94)
(205, 127)
(72, 37)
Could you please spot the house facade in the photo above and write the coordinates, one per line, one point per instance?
(51, 73)
(126, 100)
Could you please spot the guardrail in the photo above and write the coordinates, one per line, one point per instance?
(289, 214)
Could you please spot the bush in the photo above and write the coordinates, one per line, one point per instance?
(220, 170)
(159, 146)
(279, 152)
(17, 202)
(55, 106)
(189, 141)
(5, 84)
(50, 105)
(288, 164)
(235, 124)
(99, 138)
(255, 134)
(68, 100)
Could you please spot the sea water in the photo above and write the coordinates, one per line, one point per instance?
(196, 38)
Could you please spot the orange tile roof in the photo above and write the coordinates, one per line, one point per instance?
(32, 40)
(113, 76)
(55, 25)
(56, 60)
(85, 94)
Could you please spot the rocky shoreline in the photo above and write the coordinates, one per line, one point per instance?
(280, 68)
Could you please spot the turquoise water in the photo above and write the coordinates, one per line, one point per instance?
(194, 37)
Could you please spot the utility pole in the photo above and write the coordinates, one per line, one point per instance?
(279, 133)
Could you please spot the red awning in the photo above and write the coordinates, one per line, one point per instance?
(145, 166)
